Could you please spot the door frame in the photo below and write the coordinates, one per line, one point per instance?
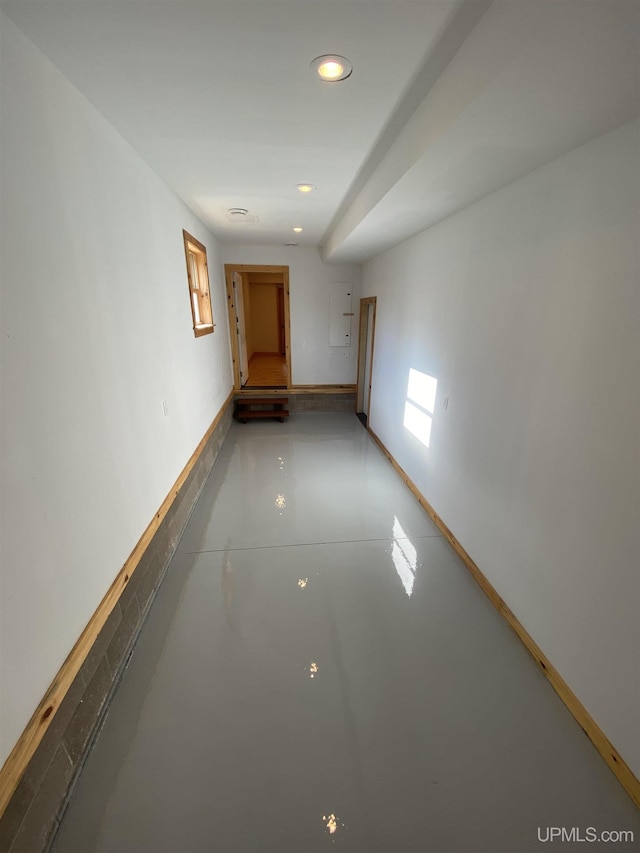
(229, 270)
(282, 347)
(362, 354)
(241, 329)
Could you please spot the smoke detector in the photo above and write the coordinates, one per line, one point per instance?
(240, 214)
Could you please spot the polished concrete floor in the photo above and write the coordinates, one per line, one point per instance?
(320, 672)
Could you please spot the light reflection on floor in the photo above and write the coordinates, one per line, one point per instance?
(404, 557)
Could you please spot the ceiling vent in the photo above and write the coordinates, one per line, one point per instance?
(240, 214)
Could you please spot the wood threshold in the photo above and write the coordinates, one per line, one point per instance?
(28, 742)
(609, 753)
(296, 389)
(322, 389)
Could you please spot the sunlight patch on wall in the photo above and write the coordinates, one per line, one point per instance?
(418, 423)
(421, 391)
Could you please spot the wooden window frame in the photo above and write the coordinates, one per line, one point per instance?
(198, 280)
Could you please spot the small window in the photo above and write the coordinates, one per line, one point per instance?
(198, 276)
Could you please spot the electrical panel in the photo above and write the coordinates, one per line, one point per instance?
(340, 315)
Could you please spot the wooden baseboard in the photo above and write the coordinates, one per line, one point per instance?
(23, 751)
(612, 757)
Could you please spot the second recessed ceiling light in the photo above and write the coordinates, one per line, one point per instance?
(332, 68)
(298, 229)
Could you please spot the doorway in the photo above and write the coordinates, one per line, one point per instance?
(365, 357)
(258, 302)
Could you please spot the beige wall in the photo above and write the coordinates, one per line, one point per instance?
(264, 317)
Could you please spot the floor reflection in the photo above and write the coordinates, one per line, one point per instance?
(404, 557)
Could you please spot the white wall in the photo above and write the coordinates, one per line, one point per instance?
(96, 333)
(310, 281)
(525, 307)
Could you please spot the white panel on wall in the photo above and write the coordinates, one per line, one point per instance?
(340, 315)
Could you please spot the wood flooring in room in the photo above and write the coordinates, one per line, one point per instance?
(267, 370)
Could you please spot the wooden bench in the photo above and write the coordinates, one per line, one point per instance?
(276, 408)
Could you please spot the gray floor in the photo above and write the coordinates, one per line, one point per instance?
(319, 670)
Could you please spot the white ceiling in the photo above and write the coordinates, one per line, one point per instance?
(448, 101)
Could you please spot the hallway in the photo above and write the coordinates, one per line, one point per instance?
(319, 668)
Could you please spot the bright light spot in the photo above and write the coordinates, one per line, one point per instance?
(305, 188)
(313, 669)
(404, 556)
(332, 823)
(402, 568)
(298, 229)
(407, 546)
(303, 582)
(281, 501)
(422, 390)
(330, 70)
(418, 423)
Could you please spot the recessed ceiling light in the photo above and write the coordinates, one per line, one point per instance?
(237, 211)
(305, 188)
(290, 244)
(332, 68)
(298, 229)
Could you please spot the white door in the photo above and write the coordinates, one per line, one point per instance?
(238, 301)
